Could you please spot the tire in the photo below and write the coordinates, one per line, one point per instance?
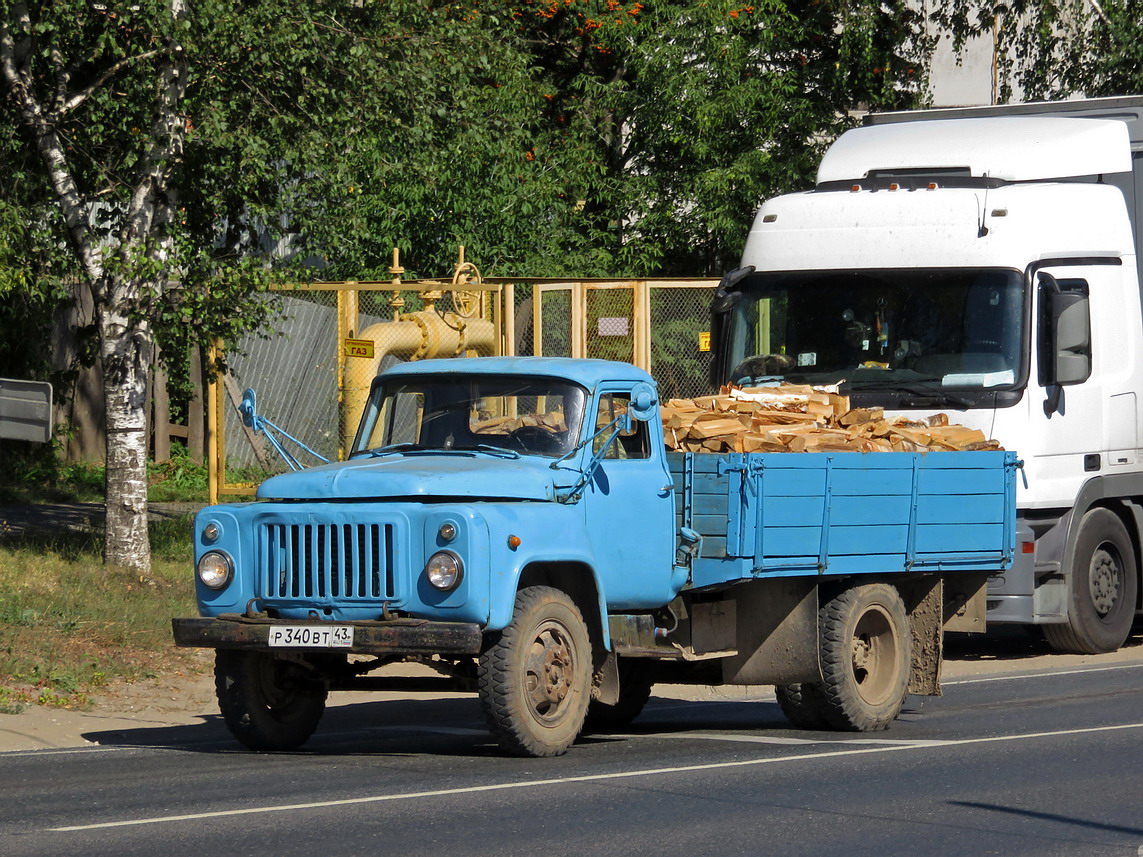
(534, 677)
(1105, 586)
(268, 703)
(635, 685)
(866, 657)
(803, 704)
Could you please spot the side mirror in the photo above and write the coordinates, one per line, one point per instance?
(726, 297)
(1072, 322)
(1066, 319)
(643, 401)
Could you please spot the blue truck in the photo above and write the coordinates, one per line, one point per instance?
(519, 525)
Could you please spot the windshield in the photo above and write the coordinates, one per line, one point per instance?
(935, 330)
(538, 416)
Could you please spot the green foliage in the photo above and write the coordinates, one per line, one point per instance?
(592, 137)
(691, 113)
(179, 479)
(1052, 49)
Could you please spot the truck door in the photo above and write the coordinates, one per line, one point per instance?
(1092, 424)
(630, 511)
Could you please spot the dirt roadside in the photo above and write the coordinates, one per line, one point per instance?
(188, 699)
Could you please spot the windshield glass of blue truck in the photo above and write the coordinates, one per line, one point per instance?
(474, 414)
(909, 332)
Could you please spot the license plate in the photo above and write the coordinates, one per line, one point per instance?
(311, 636)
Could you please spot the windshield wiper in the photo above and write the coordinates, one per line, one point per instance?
(922, 397)
(486, 447)
(394, 447)
(911, 394)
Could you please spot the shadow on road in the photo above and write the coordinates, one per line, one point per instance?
(453, 726)
(1007, 643)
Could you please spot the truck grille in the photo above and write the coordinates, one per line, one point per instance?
(347, 562)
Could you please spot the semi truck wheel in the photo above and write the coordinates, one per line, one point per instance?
(866, 654)
(534, 677)
(1105, 585)
(635, 685)
(803, 704)
(268, 703)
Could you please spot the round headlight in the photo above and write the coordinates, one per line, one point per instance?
(211, 532)
(215, 569)
(444, 570)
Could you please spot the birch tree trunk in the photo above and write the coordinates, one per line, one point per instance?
(126, 268)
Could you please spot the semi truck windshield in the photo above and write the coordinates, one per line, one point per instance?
(936, 330)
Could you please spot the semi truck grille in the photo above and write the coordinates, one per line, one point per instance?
(336, 561)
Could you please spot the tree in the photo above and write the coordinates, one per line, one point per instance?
(697, 111)
(1052, 49)
(172, 145)
(174, 142)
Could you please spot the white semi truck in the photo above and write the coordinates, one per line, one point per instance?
(981, 262)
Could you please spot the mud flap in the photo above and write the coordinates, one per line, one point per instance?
(605, 681)
(776, 633)
(924, 603)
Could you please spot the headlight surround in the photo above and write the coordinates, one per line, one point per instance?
(444, 571)
(215, 569)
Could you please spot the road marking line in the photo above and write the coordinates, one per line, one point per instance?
(586, 778)
(1049, 674)
(773, 739)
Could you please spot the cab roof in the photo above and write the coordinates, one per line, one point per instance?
(586, 372)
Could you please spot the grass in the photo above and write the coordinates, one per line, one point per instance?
(69, 626)
(37, 475)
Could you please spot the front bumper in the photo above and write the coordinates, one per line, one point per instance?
(391, 637)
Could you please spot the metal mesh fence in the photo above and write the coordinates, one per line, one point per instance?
(610, 327)
(307, 385)
(678, 315)
(293, 371)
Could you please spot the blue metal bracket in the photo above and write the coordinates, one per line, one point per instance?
(275, 435)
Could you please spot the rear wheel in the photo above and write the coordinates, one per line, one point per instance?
(1105, 586)
(866, 656)
(268, 703)
(534, 676)
(803, 704)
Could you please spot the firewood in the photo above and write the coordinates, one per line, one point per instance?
(800, 418)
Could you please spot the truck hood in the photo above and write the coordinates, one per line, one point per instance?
(422, 474)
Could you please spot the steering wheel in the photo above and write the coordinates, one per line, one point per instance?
(535, 439)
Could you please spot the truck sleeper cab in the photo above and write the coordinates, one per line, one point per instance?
(981, 262)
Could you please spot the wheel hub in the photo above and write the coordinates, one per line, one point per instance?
(1104, 582)
(550, 670)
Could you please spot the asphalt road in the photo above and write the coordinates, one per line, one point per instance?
(1013, 764)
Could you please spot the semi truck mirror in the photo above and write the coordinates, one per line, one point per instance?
(726, 297)
(1072, 328)
(1065, 332)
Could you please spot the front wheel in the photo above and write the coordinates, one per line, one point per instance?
(534, 677)
(1105, 585)
(268, 703)
(866, 657)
